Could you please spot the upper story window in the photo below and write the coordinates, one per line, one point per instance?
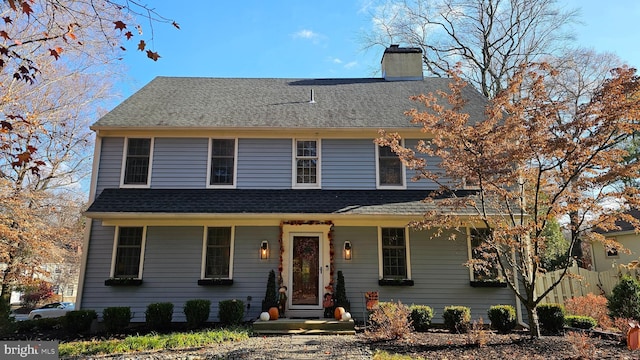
(222, 165)
(137, 162)
(306, 163)
(128, 253)
(394, 250)
(390, 170)
(486, 268)
(218, 253)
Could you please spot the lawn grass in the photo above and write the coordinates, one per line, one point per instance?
(153, 342)
(383, 355)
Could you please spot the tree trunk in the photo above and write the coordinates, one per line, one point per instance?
(534, 325)
(576, 250)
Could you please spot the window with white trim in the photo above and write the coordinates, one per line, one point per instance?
(394, 249)
(128, 253)
(306, 163)
(390, 170)
(222, 162)
(610, 250)
(137, 162)
(485, 267)
(218, 253)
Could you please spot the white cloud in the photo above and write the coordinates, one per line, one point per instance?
(351, 65)
(306, 34)
(335, 60)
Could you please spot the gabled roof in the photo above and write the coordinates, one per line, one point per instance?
(180, 102)
(253, 201)
(624, 226)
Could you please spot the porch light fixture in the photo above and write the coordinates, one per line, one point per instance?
(347, 250)
(264, 250)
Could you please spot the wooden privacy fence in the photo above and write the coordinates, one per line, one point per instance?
(580, 282)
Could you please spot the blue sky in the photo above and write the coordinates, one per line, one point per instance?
(314, 39)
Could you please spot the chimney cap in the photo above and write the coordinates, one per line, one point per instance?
(395, 48)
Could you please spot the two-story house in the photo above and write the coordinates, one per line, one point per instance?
(201, 186)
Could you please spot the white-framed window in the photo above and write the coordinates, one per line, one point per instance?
(486, 267)
(217, 253)
(390, 172)
(136, 162)
(223, 155)
(394, 255)
(128, 252)
(306, 163)
(611, 251)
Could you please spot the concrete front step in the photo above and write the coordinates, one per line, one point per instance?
(304, 326)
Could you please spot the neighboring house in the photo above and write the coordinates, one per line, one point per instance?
(605, 259)
(201, 186)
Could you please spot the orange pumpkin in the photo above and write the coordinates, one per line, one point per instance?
(273, 313)
(633, 338)
(339, 312)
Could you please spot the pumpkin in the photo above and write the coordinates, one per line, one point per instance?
(273, 313)
(633, 337)
(264, 316)
(346, 316)
(339, 312)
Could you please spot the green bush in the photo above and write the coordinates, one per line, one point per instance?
(197, 312)
(551, 318)
(78, 321)
(158, 316)
(421, 316)
(231, 312)
(457, 319)
(502, 317)
(580, 322)
(33, 326)
(624, 301)
(116, 318)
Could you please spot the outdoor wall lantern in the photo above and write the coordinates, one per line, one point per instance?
(264, 250)
(347, 250)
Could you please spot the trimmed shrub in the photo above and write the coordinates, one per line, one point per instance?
(158, 316)
(457, 319)
(271, 295)
(581, 322)
(231, 312)
(551, 318)
(116, 318)
(421, 316)
(591, 305)
(502, 317)
(78, 321)
(33, 326)
(197, 312)
(390, 321)
(340, 297)
(624, 301)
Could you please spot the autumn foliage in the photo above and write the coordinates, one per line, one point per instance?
(534, 157)
(591, 305)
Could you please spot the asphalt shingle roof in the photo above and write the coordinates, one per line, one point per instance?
(180, 102)
(253, 201)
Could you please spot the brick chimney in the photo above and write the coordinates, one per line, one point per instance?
(401, 63)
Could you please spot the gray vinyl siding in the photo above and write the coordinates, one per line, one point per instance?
(172, 265)
(180, 162)
(348, 164)
(264, 163)
(110, 163)
(433, 164)
(436, 266)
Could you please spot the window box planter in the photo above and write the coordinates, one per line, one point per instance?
(395, 282)
(488, 284)
(215, 282)
(122, 282)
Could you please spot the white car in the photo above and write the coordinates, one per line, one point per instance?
(52, 310)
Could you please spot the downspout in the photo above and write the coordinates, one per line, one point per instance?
(87, 231)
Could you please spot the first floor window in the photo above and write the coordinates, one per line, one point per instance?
(218, 253)
(485, 268)
(128, 252)
(394, 253)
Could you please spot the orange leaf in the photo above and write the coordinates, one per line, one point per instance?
(120, 25)
(4, 34)
(26, 8)
(72, 36)
(141, 45)
(128, 35)
(54, 53)
(153, 55)
(12, 4)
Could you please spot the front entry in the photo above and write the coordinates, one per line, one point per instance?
(305, 271)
